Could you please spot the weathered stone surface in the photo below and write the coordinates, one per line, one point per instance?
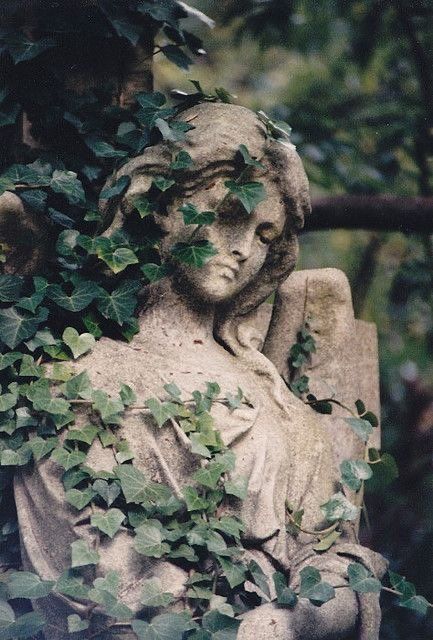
(190, 334)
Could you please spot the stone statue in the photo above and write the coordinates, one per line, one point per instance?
(192, 329)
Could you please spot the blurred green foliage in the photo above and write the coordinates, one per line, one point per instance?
(354, 79)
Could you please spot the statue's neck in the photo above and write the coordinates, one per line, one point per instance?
(173, 316)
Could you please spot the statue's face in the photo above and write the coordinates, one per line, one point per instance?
(242, 241)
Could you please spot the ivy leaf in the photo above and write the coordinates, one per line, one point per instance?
(110, 409)
(286, 597)
(22, 49)
(177, 56)
(361, 427)
(143, 205)
(87, 434)
(80, 298)
(408, 597)
(103, 149)
(67, 184)
(137, 488)
(41, 447)
(128, 30)
(313, 588)
(353, 472)
(168, 626)
(154, 595)
(25, 626)
(167, 132)
(120, 304)
(35, 199)
(221, 626)
(10, 288)
(259, 578)
(112, 606)
(193, 501)
(68, 459)
(250, 194)
(15, 327)
(108, 491)
(191, 215)
(361, 580)
(7, 401)
(237, 487)
(18, 458)
(108, 522)
(182, 161)
(155, 272)
(163, 184)
(23, 584)
(248, 159)
(78, 344)
(7, 359)
(7, 615)
(161, 411)
(116, 189)
(78, 386)
(117, 258)
(338, 507)
(80, 499)
(326, 543)
(76, 624)
(234, 573)
(82, 555)
(127, 395)
(149, 541)
(209, 476)
(69, 584)
(195, 254)
(384, 471)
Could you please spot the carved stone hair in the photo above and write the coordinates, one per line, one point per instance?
(213, 144)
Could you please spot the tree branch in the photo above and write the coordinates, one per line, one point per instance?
(373, 212)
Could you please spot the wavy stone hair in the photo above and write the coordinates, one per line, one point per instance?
(218, 131)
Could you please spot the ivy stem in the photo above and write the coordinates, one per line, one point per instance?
(318, 534)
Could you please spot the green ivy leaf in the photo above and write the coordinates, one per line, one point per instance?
(177, 56)
(110, 409)
(117, 258)
(209, 476)
(10, 288)
(237, 487)
(25, 626)
(86, 434)
(80, 298)
(143, 205)
(69, 584)
(191, 215)
(23, 49)
(78, 386)
(80, 499)
(15, 327)
(361, 580)
(103, 149)
(82, 555)
(154, 595)
(182, 161)
(259, 578)
(7, 359)
(77, 624)
(108, 522)
(41, 447)
(338, 507)
(149, 541)
(163, 184)
(195, 254)
(286, 597)
(234, 573)
(116, 189)
(353, 472)
(23, 584)
(221, 626)
(314, 588)
(127, 395)
(248, 159)
(67, 184)
(120, 304)
(161, 411)
(168, 626)
(78, 344)
(137, 488)
(68, 459)
(29, 369)
(250, 194)
(193, 501)
(108, 491)
(408, 597)
(326, 543)
(168, 133)
(128, 30)
(361, 427)
(112, 606)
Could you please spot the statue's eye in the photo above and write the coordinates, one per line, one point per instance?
(266, 233)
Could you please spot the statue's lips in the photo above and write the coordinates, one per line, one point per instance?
(227, 270)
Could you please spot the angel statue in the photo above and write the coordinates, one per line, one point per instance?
(192, 329)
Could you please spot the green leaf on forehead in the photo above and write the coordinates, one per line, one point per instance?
(115, 189)
(361, 427)
(353, 472)
(163, 184)
(191, 215)
(182, 161)
(248, 159)
(250, 194)
(195, 254)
